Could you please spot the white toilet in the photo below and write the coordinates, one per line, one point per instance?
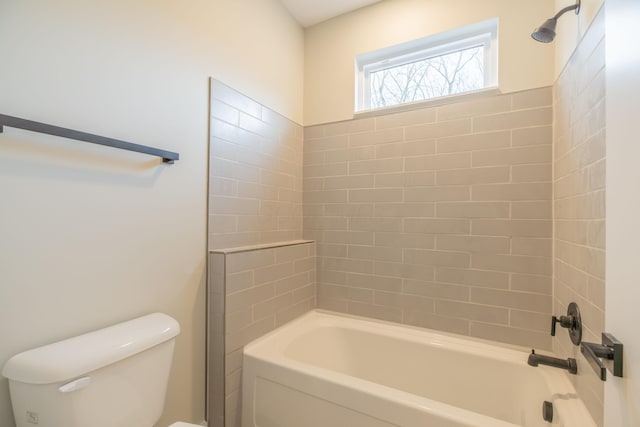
(113, 377)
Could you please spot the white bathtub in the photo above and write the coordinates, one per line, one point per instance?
(330, 370)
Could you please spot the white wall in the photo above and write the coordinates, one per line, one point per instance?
(89, 235)
(331, 47)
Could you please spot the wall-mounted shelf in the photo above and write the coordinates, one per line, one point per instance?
(15, 122)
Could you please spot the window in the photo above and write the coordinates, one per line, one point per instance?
(455, 62)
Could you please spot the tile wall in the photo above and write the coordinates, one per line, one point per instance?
(438, 217)
(579, 202)
(255, 176)
(261, 274)
(262, 288)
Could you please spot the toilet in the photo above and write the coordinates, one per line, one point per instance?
(112, 377)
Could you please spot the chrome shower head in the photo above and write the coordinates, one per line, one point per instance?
(546, 32)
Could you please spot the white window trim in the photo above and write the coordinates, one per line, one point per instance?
(483, 33)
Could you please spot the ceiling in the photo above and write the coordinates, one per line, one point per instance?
(311, 12)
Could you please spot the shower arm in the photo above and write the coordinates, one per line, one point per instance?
(575, 7)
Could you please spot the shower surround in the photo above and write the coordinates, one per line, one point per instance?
(438, 217)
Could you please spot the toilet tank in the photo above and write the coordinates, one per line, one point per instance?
(112, 377)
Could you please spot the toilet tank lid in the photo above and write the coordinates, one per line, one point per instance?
(73, 357)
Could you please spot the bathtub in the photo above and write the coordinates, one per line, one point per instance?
(332, 370)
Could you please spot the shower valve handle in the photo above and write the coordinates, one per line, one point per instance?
(565, 322)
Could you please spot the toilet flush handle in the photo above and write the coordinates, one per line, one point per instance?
(74, 385)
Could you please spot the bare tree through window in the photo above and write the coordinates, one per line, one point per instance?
(448, 74)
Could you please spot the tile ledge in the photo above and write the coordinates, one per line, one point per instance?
(261, 246)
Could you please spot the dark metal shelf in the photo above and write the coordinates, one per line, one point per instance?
(14, 122)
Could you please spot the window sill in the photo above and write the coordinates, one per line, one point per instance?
(433, 102)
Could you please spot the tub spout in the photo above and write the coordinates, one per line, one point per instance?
(538, 359)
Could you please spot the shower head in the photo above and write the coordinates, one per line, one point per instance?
(546, 32)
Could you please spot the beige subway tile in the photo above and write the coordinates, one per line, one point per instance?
(233, 206)
(368, 281)
(330, 291)
(350, 210)
(390, 314)
(540, 135)
(375, 224)
(375, 253)
(304, 293)
(436, 258)
(474, 107)
(473, 210)
(514, 192)
(241, 261)
(332, 250)
(289, 283)
(436, 226)
(585, 206)
(327, 196)
(224, 112)
(406, 271)
(313, 184)
(376, 195)
(597, 176)
(376, 166)
(532, 98)
(296, 310)
(531, 210)
(437, 194)
(326, 222)
(512, 263)
(239, 281)
(438, 162)
(376, 137)
(473, 176)
(405, 179)
(272, 272)
(341, 306)
(238, 320)
(227, 223)
(474, 244)
(522, 228)
(531, 283)
(573, 184)
(219, 186)
(510, 335)
(512, 120)
(243, 299)
(348, 182)
(403, 301)
(229, 96)
(405, 210)
(438, 130)
(405, 149)
(404, 240)
(530, 320)
(572, 231)
(470, 277)
(519, 300)
(474, 142)
(590, 260)
(406, 118)
(470, 311)
(596, 234)
(269, 307)
(349, 237)
(347, 265)
(325, 170)
(531, 173)
(306, 264)
(440, 323)
(532, 247)
(512, 156)
(243, 337)
(326, 143)
(435, 290)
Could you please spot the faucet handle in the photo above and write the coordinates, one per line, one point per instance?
(571, 321)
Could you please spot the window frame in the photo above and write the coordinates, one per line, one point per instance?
(483, 33)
